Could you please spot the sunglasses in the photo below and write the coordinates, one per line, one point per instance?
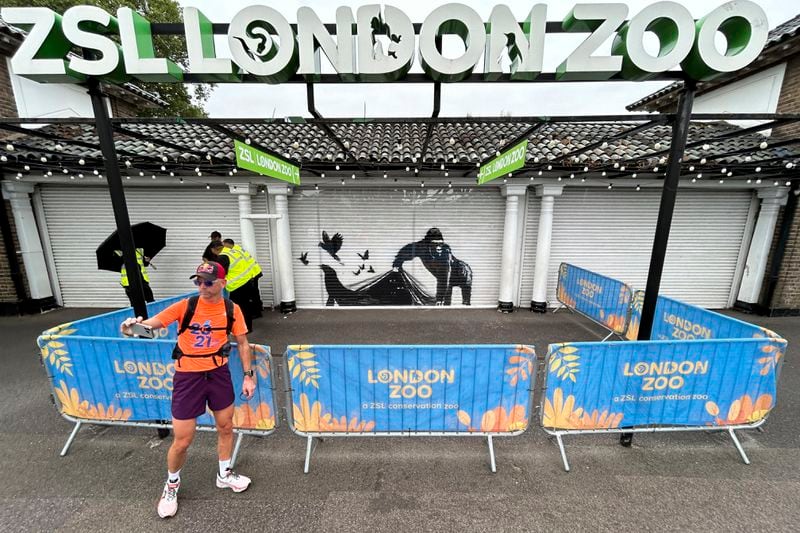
(204, 282)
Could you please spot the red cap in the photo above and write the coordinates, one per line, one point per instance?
(209, 271)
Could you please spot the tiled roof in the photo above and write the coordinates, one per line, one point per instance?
(393, 144)
(778, 35)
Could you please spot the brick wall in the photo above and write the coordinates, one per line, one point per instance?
(789, 101)
(8, 107)
(787, 290)
(122, 108)
(7, 291)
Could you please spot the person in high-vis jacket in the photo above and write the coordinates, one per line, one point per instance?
(256, 305)
(202, 378)
(239, 273)
(144, 262)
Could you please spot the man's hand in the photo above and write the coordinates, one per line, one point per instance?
(248, 387)
(125, 327)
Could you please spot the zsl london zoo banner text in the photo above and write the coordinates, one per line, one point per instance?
(676, 383)
(380, 389)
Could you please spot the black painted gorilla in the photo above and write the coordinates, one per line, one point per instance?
(440, 261)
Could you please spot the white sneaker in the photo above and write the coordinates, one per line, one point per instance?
(232, 480)
(168, 504)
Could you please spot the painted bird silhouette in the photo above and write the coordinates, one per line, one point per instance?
(357, 272)
(371, 270)
(332, 245)
(361, 267)
(304, 258)
(365, 256)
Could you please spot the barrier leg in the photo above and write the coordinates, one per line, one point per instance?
(739, 446)
(557, 308)
(309, 449)
(236, 446)
(563, 452)
(71, 438)
(491, 453)
(607, 337)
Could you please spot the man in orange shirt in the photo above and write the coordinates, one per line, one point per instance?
(202, 376)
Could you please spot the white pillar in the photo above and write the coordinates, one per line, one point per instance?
(510, 246)
(543, 242)
(247, 230)
(18, 194)
(284, 246)
(771, 201)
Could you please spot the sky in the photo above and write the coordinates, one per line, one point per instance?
(458, 99)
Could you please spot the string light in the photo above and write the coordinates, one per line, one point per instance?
(65, 171)
(27, 168)
(9, 147)
(337, 167)
(164, 158)
(352, 176)
(549, 167)
(763, 145)
(758, 181)
(449, 184)
(81, 162)
(540, 172)
(208, 187)
(609, 186)
(758, 169)
(141, 174)
(3, 158)
(703, 161)
(638, 187)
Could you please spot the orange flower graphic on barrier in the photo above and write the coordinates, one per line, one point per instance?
(633, 330)
(565, 298)
(615, 323)
(598, 420)
(309, 418)
(244, 417)
(560, 414)
(742, 411)
(770, 361)
(523, 364)
(99, 412)
(497, 420)
(260, 361)
(354, 426)
(72, 405)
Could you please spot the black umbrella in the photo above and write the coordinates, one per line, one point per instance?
(146, 235)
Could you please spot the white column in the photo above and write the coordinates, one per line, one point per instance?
(543, 241)
(284, 246)
(510, 246)
(247, 230)
(18, 194)
(771, 201)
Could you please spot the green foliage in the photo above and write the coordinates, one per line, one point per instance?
(180, 101)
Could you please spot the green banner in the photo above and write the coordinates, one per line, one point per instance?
(504, 163)
(250, 158)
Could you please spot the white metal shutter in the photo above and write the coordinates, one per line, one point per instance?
(79, 218)
(382, 220)
(611, 232)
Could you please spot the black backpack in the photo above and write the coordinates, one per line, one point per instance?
(186, 321)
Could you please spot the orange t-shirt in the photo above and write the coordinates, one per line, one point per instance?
(202, 340)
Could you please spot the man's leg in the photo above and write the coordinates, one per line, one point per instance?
(240, 298)
(184, 431)
(227, 478)
(176, 457)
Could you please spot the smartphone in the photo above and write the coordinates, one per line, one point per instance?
(142, 330)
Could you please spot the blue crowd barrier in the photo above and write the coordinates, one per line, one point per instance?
(604, 300)
(370, 390)
(99, 377)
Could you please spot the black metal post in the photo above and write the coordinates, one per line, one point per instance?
(680, 131)
(106, 136)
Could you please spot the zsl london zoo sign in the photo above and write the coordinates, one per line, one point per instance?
(379, 43)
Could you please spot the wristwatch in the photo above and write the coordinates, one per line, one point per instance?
(248, 373)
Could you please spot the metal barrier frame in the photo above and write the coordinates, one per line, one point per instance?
(240, 433)
(559, 433)
(311, 436)
(612, 333)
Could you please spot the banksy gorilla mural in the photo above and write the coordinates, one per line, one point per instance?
(398, 287)
(397, 246)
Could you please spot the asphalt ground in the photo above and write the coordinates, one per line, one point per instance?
(112, 477)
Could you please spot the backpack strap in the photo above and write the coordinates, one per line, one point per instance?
(229, 315)
(191, 306)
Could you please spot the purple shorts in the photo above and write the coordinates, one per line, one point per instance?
(191, 391)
